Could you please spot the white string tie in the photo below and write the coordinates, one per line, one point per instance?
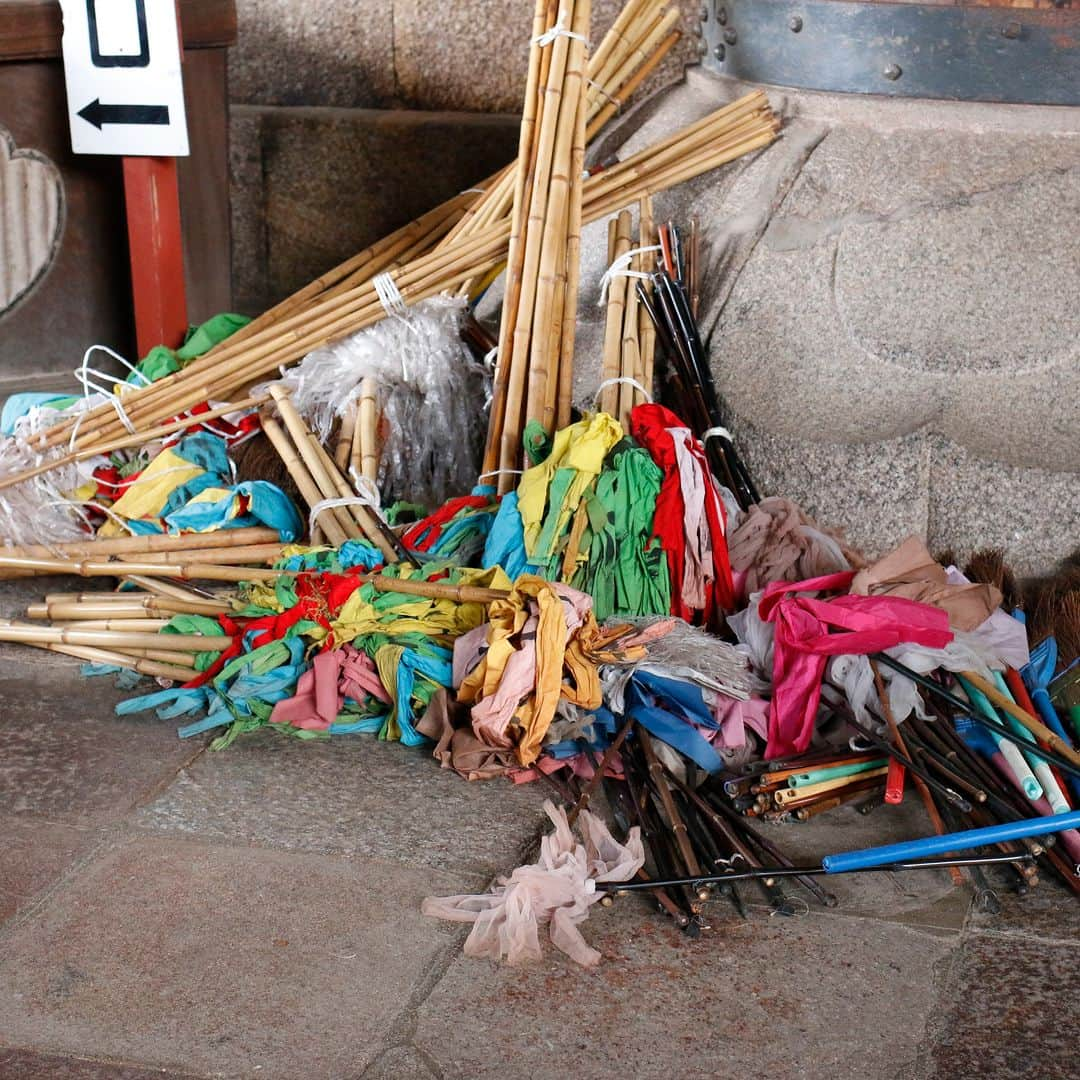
(490, 357)
(333, 504)
(77, 507)
(621, 380)
(557, 31)
(365, 488)
(116, 356)
(501, 472)
(716, 433)
(389, 294)
(83, 373)
(621, 268)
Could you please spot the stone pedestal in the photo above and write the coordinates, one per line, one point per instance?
(890, 296)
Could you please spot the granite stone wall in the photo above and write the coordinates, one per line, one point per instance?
(350, 117)
(889, 301)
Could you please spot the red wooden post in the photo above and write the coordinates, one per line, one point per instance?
(157, 252)
(156, 246)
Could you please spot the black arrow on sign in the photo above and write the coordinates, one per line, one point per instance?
(97, 114)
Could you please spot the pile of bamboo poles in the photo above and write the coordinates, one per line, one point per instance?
(641, 36)
(629, 335)
(124, 629)
(536, 335)
(321, 482)
(226, 547)
(639, 39)
(729, 133)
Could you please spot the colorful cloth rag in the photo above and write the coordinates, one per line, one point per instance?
(531, 643)
(690, 521)
(862, 624)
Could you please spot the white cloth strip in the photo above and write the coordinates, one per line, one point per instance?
(619, 381)
(716, 433)
(491, 356)
(557, 31)
(621, 268)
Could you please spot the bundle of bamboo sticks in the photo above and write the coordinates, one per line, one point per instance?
(737, 129)
(639, 39)
(225, 547)
(637, 42)
(629, 335)
(338, 512)
(125, 628)
(357, 451)
(536, 335)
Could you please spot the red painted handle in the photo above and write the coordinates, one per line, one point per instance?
(894, 782)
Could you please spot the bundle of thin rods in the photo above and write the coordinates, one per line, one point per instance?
(961, 787)
(689, 832)
(671, 302)
(800, 788)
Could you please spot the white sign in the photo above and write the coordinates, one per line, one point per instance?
(124, 86)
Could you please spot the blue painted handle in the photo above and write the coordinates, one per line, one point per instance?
(958, 841)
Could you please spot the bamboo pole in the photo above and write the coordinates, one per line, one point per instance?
(345, 437)
(252, 553)
(307, 487)
(545, 347)
(145, 545)
(81, 610)
(573, 271)
(520, 342)
(117, 659)
(140, 624)
(515, 256)
(614, 102)
(366, 451)
(92, 568)
(710, 143)
(616, 302)
(58, 635)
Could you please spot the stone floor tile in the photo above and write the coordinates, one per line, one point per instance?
(1047, 913)
(33, 854)
(66, 756)
(1010, 1007)
(220, 960)
(816, 997)
(354, 796)
(923, 898)
(402, 1063)
(30, 1065)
